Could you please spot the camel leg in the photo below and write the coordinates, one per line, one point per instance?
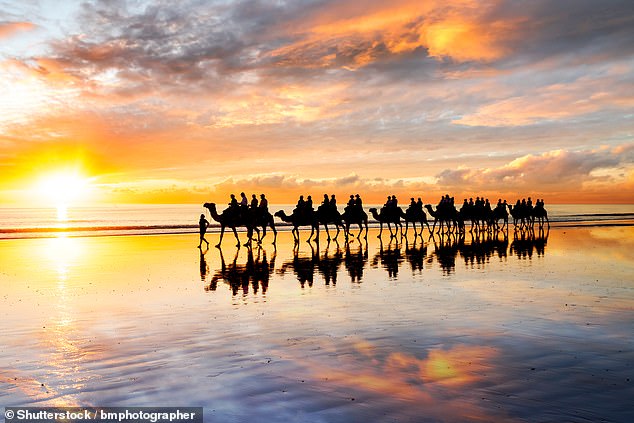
(257, 231)
(274, 234)
(337, 234)
(222, 232)
(380, 230)
(263, 234)
(235, 233)
(327, 232)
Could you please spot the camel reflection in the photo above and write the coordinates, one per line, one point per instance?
(355, 261)
(329, 264)
(446, 250)
(525, 242)
(484, 245)
(476, 254)
(476, 249)
(415, 255)
(390, 258)
(304, 266)
(253, 275)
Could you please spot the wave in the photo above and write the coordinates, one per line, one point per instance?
(146, 221)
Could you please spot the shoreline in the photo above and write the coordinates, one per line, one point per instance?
(38, 233)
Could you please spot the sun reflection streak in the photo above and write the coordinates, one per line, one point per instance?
(63, 252)
(63, 337)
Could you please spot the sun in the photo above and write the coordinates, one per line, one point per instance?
(62, 189)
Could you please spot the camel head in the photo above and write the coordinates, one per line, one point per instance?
(283, 216)
(209, 205)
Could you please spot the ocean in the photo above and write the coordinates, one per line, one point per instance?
(143, 219)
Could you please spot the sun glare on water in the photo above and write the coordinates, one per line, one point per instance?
(61, 190)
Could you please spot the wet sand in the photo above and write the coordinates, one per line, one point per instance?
(533, 329)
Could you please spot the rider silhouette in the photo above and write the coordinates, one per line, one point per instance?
(264, 204)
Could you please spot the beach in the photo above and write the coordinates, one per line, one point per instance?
(534, 327)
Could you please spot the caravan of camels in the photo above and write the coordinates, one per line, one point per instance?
(482, 216)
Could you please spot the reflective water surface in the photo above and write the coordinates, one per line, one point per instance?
(524, 327)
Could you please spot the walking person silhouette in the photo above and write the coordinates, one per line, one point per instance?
(203, 224)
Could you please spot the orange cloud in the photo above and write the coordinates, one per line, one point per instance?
(8, 29)
(558, 101)
(355, 37)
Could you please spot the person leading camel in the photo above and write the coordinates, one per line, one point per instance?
(203, 224)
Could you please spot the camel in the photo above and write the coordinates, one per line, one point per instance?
(355, 217)
(230, 219)
(324, 217)
(540, 214)
(520, 214)
(264, 219)
(500, 213)
(447, 217)
(388, 218)
(297, 220)
(413, 216)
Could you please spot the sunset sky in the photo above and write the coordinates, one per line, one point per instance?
(187, 101)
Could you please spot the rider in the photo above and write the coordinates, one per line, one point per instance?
(419, 205)
(412, 205)
(233, 204)
(254, 202)
(324, 207)
(351, 203)
(264, 204)
(299, 208)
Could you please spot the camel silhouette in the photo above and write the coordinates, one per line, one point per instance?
(301, 219)
(527, 215)
(355, 217)
(232, 218)
(500, 213)
(325, 217)
(447, 217)
(263, 219)
(415, 216)
(389, 218)
(540, 215)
